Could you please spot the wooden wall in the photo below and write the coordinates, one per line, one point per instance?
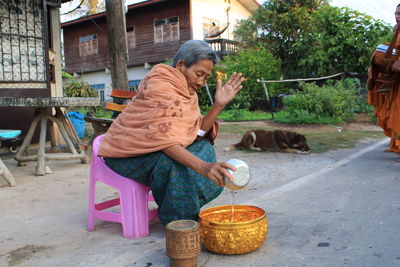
(142, 18)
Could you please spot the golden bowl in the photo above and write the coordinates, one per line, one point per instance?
(233, 229)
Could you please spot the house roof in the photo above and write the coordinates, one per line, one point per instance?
(102, 14)
(251, 5)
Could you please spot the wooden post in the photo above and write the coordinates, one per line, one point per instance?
(267, 97)
(116, 29)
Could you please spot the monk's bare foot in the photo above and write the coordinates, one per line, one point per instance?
(387, 150)
(398, 160)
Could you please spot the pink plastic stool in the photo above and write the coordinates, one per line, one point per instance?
(133, 198)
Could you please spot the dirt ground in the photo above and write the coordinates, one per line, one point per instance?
(44, 217)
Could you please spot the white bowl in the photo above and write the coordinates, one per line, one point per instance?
(241, 176)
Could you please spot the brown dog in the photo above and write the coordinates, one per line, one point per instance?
(275, 141)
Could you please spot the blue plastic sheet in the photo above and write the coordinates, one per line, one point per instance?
(78, 121)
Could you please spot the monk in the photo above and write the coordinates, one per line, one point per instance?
(161, 139)
(387, 104)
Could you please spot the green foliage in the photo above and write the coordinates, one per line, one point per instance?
(278, 25)
(98, 112)
(331, 101)
(67, 75)
(243, 115)
(76, 88)
(168, 61)
(310, 33)
(254, 63)
(339, 40)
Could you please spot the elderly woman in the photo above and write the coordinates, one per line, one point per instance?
(161, 139)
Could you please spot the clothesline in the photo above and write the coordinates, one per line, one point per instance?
(299, 80)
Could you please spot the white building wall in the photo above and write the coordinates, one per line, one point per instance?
(216, 10)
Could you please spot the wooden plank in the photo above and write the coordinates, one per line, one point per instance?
(122, 93)
(115, 107)
(39, 102)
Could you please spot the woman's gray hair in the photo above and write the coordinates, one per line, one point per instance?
(193, 51)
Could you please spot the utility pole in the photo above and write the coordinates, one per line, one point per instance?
(116, 29)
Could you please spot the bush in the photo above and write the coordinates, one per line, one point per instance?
(336, 101)
(76, 88)
(253, 63)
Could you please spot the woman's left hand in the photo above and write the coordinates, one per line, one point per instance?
(224, 94)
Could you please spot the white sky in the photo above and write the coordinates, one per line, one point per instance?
(378, 9)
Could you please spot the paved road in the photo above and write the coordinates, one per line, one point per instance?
(346, 214)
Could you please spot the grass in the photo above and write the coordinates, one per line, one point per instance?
(281, 116)
(322, 142)
(318, 142)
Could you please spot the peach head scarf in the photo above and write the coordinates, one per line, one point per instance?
(165, 112)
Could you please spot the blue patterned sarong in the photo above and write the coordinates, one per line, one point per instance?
(178, 191)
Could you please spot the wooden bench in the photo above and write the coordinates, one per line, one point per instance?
(101, 125)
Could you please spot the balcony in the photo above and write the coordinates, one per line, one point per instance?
(223, 47)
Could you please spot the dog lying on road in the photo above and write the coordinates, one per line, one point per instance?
(275, 141)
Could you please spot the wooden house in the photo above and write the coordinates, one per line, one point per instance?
(30, 55)
(155, 30)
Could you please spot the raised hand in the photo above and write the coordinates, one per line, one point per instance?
(224, 94)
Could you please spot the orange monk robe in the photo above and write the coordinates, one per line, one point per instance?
(387, 108)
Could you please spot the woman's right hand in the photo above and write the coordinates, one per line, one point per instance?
(217, 171)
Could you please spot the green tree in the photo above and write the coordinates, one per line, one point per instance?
(279, 24)
(340, 39)
(254, 63)
(315, 36)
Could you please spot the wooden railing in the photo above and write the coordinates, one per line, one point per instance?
(223, 46)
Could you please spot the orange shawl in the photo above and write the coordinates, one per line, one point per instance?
(165, 112)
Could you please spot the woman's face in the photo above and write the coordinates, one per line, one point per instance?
(397, 15)
(197, 74)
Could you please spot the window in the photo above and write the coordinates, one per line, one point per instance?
(100, 89)
(166, 30)
(130, 36)
(88, 45)
(210, 26)
(134, 84)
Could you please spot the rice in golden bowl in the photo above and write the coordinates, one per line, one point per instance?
(233, 229)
